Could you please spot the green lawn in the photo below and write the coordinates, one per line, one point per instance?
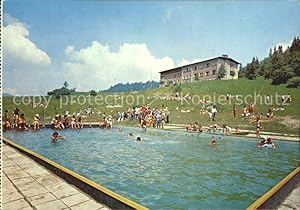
(197, 90)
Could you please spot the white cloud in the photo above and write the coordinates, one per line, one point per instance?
(18, 47)
(97, 67)
(9, 90)
(69, 50)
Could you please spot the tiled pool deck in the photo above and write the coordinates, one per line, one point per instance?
(292, 201)
(27, 185)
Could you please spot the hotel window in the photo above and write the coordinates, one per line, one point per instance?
(201, 74)
(213, 72)
(207, 73)
(207, 65)
(195, 67)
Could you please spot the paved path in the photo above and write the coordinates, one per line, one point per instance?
(251, 134)
(29, 186)
(292, 201)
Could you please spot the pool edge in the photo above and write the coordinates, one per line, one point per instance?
(276, 194)
(93, 189)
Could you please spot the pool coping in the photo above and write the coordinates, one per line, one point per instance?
(93, 189)
(278, 193)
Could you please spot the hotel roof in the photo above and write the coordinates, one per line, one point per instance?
(220, 57)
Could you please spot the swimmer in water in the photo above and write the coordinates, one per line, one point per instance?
(130, 134)
(213, 141)
(138, 138)
(55, 137)
(120, 130)
(269, 144)
(262, 141)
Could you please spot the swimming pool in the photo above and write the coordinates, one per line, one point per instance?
(169, 170)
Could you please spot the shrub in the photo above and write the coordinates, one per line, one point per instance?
(93, 93)
(293, 82)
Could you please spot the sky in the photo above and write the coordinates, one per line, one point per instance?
(94, 44)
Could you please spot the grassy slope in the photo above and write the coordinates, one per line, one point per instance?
(201, 88)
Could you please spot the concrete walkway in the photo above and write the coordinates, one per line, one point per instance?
(27, 186)
(292, 201)
(251, 134)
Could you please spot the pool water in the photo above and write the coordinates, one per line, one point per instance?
(169, 170)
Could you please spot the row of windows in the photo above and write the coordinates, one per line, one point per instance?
(200, 66)
(202, 74)
(170, 76)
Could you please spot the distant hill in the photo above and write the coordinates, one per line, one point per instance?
(120, 87)
(7, 94)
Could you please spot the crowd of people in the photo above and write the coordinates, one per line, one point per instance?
(151, 117)
(19, 121)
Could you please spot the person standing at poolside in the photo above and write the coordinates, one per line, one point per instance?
(214, 112)
(36, 122)
(167, 115)
(234, 110)
(158, 120)
(258, 128)
(16, 113)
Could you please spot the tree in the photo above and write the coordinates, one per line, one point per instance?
(221, 72)
(282, 75)
(280, 66)
(92, 93)
(295, 44)
(232, 73)
(66, 85)
(270, 52)
(252, 69)
(280, 50)
(59, 92)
